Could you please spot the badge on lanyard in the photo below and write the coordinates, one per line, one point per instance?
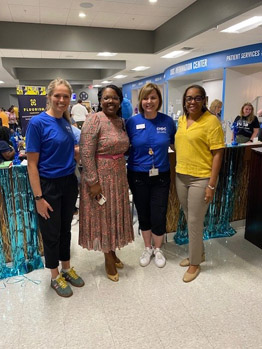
(153, 171)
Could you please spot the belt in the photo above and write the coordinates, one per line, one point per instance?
(109, 156)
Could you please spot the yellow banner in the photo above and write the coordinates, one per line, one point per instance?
(31, 90)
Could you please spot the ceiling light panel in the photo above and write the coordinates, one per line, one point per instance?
(175, 54)
(120, 76)
(140, 68)
(244, 26)
(106, 54)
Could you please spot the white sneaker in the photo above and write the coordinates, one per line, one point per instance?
(160, 260)
(74, 221)
(146, 257)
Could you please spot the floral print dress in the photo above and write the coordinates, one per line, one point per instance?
(102, 144)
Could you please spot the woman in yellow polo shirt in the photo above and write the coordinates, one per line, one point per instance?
(199, 144)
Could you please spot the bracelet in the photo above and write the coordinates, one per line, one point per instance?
(210, 187)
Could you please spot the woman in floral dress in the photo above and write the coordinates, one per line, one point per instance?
(105, 226)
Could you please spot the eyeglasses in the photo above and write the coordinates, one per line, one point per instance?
(197, 99)
(114, 98)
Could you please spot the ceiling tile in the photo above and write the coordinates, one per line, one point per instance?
(50, 15)
(23, 2)
(59, 4)
(25, 13)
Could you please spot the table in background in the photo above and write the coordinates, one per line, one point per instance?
(20, 242)
(230, 199)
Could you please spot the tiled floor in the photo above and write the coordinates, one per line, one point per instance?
(147, 308)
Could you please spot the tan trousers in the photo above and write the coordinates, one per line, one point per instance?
(191, 194)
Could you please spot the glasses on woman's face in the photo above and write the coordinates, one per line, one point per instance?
(113, 98)
(197, 99)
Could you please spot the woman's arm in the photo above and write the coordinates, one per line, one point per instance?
(42, 206)
(254, 134)
(216, 165)
(88, 147)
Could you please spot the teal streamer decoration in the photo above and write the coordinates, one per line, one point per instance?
(21, 222)
(220, 211)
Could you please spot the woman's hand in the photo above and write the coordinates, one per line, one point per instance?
(43, 207)
(95, 190)
(209, 195)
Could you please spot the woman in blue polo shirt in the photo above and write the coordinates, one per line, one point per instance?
(50, 146)
(150, 134)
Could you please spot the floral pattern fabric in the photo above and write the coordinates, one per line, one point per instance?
(109, 226)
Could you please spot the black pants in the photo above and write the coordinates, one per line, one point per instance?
(150, 195)
(61, 194)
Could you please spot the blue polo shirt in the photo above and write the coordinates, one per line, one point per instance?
(145, 134)
(54, 140)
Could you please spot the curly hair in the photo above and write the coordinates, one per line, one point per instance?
(202, 93)
(118, 92)
(5, 134)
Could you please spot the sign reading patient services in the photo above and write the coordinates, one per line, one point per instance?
(32, 101)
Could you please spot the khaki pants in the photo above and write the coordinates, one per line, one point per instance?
(191, 194)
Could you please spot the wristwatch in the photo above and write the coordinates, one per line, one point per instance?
(38, 197)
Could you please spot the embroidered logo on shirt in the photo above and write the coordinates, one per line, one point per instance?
(161, 129)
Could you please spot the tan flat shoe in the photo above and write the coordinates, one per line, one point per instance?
(190, 277)
(185, 262)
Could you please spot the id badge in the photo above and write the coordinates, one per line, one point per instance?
(153, 172)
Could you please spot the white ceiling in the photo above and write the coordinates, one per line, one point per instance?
(129, 14)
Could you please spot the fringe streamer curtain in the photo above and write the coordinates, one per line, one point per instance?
(20, 243)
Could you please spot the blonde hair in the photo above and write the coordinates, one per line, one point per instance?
(145, 91)
(251, 116)
(216, 103)
(50, 90)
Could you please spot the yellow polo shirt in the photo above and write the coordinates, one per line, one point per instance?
(194, 144)
(4, 118)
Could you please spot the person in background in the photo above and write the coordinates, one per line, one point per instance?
(199, 144)
(247, 124)
(150, 134)
(105, 222)
(79, 113)
(4, 118)
(7, 151)
(12, 120)
(50, 146)
(216, 107)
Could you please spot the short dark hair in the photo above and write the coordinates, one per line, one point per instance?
(5, 134)
(79, 101)
(118, 92)
(202, 93)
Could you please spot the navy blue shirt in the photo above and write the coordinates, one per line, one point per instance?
(54, 140)
(145, 134)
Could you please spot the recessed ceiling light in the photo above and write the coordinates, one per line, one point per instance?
(174, 54)
(97, 85)
(120, 76)
(140, 68)
(106, 54)
(244, 26)
(106, 82)
(2, 82)
(152, 1)
(86, 5)
(82, 15)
